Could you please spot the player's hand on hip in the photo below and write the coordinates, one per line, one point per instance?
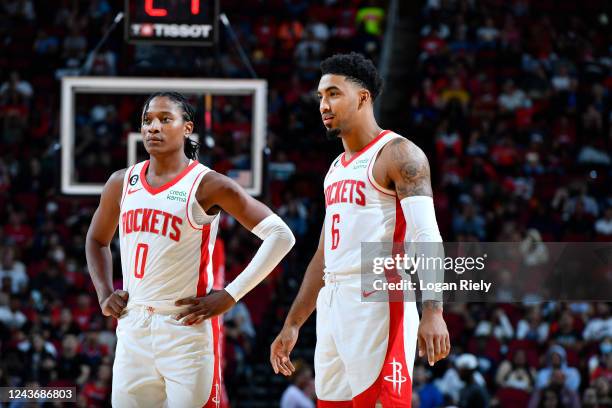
(202, 308)
(281, 348)
(433, 338)
(114, 304)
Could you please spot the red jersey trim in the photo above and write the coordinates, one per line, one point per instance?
(156, 190)
(382, 390)
(204, 260)
(216, 389)
(188, 200)
(362, 151)
(374, 183)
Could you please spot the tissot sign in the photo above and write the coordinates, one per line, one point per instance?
(172, 22)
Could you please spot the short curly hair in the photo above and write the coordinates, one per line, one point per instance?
(355, 67)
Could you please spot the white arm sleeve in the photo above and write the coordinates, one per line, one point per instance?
(277, 241)
(422, 229)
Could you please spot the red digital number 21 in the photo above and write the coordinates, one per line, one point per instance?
(161, 12)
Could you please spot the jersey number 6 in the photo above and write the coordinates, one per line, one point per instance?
(141, 260)
(335, 232)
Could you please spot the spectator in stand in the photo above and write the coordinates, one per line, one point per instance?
(601, 365)
(473, 394)
(74, 45)
(38, 358)
(429, 395)
(301, 393)
(240, 337)
(72, 365)
(557, 362)
(65, 325)
(562, 81)
(370, 19)
(604, 392)
(451, 382)
(516, 373)
(15, 83)
(308, 54)
(295, 214)
(533, 327)
(12, 270)
(599, 326)
(556, 390)
(512, 98)
(51, 280)
(432, 46)
(534, 252)
(18, 231)
(318, 29)
(10, 312)
(468, 222)
(488, 34)
(566, 334)
(589, 399)
(456, 92)
(603, 226)
(84, 311)
(97, 392)
(499, 325)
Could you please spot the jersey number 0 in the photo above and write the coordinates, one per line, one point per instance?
(141, 260)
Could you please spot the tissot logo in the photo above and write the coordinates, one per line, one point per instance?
(201, 31)
(133, 180)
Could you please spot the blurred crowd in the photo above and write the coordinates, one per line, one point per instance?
(515, 98)
(511, 101)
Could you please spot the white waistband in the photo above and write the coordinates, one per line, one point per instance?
(340, 278)
(165, 308)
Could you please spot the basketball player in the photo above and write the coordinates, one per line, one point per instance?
(167, 209)
(377, 190)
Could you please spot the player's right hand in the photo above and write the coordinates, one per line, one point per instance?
(281, 348)
(114, 304)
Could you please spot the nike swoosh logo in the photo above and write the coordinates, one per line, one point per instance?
(130, 191)
(366, 294)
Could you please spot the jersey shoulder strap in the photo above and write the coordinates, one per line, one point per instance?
(375, 152)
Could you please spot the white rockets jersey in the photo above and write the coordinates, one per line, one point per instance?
(166, 238)
(358, 209)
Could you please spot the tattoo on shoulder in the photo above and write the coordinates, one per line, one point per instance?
(413, 168)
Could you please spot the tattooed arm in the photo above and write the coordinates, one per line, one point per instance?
(407, 169)
(407, 172)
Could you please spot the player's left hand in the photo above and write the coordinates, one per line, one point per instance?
(433, 338)
(202, 308)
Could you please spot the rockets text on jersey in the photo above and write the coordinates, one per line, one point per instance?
(166, 238)
(358, 209)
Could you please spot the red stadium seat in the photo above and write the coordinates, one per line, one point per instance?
(512, 398)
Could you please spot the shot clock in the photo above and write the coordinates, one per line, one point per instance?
(171, 22)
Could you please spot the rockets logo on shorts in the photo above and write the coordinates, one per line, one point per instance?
(397, 379)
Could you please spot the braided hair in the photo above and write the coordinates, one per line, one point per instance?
(191, 147)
